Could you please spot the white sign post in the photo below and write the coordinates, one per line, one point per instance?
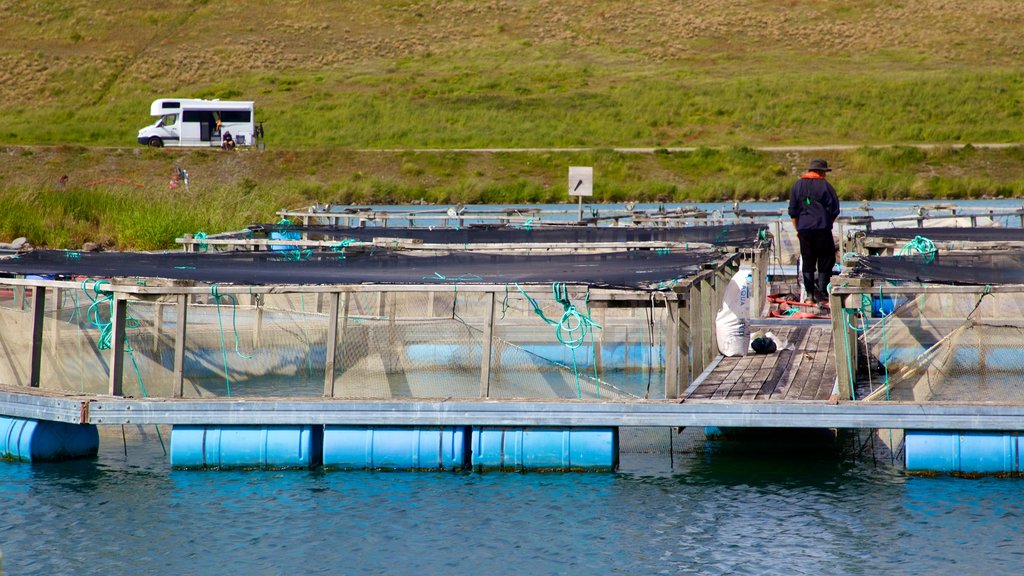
(581, 183)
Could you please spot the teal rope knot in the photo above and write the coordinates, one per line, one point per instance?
(662, 251)
(528, 225)
(73, 255)
(572, 328)
(200, 238)
(919, 246)
(340, 247)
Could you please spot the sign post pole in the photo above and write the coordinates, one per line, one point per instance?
(581, 183)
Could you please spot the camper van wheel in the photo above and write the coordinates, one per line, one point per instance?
(156, 142)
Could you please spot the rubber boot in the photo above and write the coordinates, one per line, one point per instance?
(824, 279)
(809, 289)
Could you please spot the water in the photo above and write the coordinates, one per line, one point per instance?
(710, 513)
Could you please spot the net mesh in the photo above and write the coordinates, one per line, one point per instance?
(943, 347)
(417, 344)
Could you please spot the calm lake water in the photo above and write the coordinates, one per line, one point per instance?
(705, 513)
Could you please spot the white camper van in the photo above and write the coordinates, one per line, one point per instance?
(191, 122)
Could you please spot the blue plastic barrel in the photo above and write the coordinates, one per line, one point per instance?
(394, 448)
(289, 235)
(46, 441)
(962, 452)
(561, 449)
(245, 446)
(885, 305)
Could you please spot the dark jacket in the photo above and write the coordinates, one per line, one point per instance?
(813, 203)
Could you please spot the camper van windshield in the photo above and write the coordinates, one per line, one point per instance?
(167, 120)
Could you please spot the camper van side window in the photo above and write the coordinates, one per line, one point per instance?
(169, 120)
(172, 104)
(234, 116)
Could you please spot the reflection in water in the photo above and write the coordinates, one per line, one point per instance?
(714, 512)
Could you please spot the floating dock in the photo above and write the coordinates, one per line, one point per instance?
(444, 351)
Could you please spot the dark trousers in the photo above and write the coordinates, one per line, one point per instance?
(817, 257)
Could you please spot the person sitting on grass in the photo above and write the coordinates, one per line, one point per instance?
(228, 143)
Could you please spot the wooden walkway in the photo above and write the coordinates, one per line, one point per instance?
(807, 372)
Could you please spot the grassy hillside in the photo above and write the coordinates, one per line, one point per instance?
(337, 80)
(477, 73)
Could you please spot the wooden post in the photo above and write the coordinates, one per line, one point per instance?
(711, 296)
(117, 318)
(685, 341)
(487, 344)
(38, 315)
(672, 352)
(840, 343)
(58, 300)
(346, 301)
(332, 343)
(19, 297)
(600, 314)
(257, 325)
(696, 310)
(158, 323)
(178, 384)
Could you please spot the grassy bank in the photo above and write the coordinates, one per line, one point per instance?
(334, 79)
(120, 197)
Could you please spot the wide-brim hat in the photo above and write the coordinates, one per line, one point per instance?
(819, 165)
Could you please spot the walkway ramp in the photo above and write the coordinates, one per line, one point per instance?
(806, 370)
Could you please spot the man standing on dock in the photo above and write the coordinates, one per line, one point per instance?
(814, 206)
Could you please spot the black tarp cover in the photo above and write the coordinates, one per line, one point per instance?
(737, 235)
(636, 269)
(976, 268)
(947, 234)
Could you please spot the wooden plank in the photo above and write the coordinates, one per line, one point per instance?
(828, 376)
(806, 371)
(813, 382)
(785, 362)
(695, 309)
(840, 335)
(118, 318)
(672, 350)
(685, 342)
(178, 383)
(55, 341)
(158, 324)
(488, 345)
(332, 343)
(38, 316)
(753, 376)
(800, 356)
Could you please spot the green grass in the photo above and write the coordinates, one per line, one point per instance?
(231, 190)
(334, 81)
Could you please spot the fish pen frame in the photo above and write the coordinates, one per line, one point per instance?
(690, 306)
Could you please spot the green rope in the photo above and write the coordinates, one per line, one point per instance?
(919, 246)
(340, 247)
(217, 297)
(571, 329)
(200, 238)
(99, 297)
